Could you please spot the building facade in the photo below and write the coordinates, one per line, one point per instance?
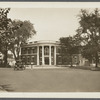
(46, 53)
(41, 53)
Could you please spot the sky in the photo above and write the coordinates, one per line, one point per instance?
(50, 23)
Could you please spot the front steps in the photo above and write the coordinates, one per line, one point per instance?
(41, 66)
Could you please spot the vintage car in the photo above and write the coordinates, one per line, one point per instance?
(19, 65)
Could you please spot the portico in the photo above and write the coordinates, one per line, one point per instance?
(46, 55)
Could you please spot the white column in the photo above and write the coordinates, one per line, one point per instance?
(54, 55)
(49, 55)
(37, 55)
(42, 55)
(19, 50)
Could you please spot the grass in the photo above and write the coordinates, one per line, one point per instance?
(50, 80)
(82, 67)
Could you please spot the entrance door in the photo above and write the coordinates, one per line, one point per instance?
(47, 60)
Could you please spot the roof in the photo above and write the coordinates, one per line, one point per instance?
(42, 42)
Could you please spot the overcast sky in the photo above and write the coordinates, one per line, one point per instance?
(50, 23)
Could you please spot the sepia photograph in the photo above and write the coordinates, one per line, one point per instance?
(49, 47)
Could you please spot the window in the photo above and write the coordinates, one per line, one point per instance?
(40, 49)
(58, 50)
(52, 49)
(32, 60)
(25, 51)
(29, 50)
(46, 51)
(28, 59)
(23, 60)
(40, 61)
(33, 50)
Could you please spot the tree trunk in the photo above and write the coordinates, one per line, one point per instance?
(14, 54)
(96, 60)
(18, 50)
(71, 61)
(5, 57)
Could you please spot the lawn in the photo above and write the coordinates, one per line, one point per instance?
(50, 80)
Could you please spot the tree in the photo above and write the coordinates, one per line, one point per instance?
(4, 31)
(89, 34)
(87, 52)
(13, 34)
(21, 35)
(68, 48)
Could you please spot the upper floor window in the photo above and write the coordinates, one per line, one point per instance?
(52, 49)
(33, 50)
(58, 50)
(46, 51)
(40, 49)
(29, 50)
(23, 51)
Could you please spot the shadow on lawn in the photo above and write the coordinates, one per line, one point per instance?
(6, 87)
(86, 68)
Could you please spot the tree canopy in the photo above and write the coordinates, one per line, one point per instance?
(68, 48)
(13, 33)
(89, 33)
(5, 31)
(20, 36)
